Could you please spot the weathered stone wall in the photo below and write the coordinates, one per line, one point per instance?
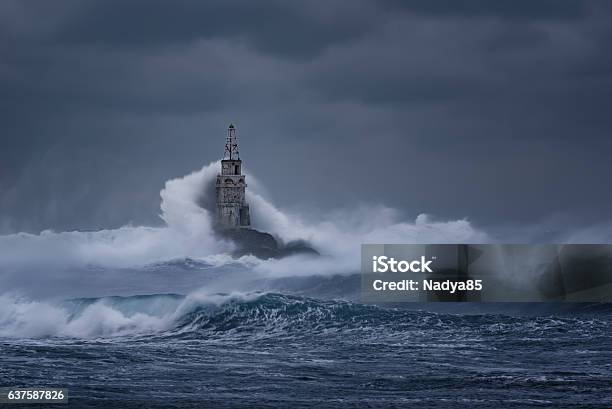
(232, 209)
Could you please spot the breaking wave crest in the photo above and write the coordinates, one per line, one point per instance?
(187, 233)
(235, 317)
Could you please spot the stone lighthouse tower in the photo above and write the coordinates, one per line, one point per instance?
(232, 208)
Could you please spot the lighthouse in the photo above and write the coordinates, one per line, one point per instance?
(232, 208)
(233, 220)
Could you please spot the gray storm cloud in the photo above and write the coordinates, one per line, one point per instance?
(496, 111)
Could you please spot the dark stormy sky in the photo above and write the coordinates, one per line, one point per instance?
(498, 111)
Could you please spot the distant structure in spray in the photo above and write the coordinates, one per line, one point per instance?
(232, 208)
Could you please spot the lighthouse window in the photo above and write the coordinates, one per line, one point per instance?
(237, 169)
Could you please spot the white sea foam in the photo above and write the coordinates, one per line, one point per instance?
(188, 233)
(104, 317)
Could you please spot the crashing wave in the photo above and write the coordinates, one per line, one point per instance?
(235, 317)
(188, 233)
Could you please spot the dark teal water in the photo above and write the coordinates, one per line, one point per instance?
(277, 350)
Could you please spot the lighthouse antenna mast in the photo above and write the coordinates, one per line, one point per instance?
(231, 145)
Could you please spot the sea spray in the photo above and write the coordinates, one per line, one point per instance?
(107, 316)
(188, 233)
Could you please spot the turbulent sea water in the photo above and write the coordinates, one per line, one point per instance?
(275, 350)
(163, 317)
